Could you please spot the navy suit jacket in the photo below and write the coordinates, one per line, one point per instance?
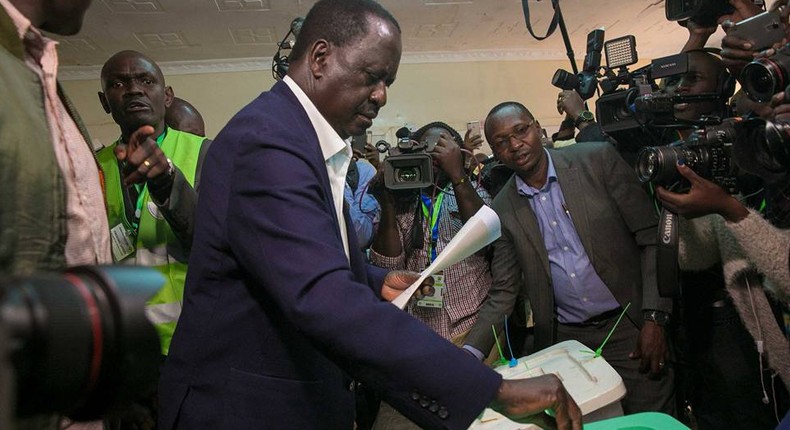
(276, 321)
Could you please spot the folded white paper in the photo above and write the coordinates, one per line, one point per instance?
(480, 230)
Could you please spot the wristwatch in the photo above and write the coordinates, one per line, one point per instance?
(658, 317)
(584, 116)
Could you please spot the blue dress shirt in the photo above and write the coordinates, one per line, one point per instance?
(363, 208)
(579, 293)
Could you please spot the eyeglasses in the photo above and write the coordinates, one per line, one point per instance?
(520, 132)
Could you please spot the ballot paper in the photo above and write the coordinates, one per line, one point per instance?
(478, 231)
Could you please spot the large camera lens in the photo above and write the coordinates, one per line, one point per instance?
(80, 342)
(762, 79)
(565, 80)
(407, 174)
(650, 163)
(656, 164)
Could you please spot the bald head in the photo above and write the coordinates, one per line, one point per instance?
(181, 115)
(134, 92)
(122, 60)
(504, 108)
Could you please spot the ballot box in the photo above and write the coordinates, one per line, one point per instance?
(595, 386)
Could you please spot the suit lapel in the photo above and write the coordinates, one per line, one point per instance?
(525, 217)
(575, 200)
(314, 147)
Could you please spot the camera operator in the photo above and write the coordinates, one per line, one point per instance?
(727, 352)
(415, 227)
(754, 255)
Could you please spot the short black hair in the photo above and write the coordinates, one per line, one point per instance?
(500, 107)
(417, 135)
(340, 22)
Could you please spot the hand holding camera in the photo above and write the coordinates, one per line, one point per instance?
(448, 157)
(703, 198)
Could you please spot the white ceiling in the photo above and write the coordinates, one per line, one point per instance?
(195, 35)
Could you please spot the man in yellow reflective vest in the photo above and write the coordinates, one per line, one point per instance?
(151, 175)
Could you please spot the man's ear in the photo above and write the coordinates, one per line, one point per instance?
(104, 103)
(318, 56)
(169, 96)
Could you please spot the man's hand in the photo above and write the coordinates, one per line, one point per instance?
(698, 30)
(144, 160)
(525, 400)
(743, 9)
(781, 108)
(703, 198)
(398, 280)
(736, 52)
(447, 155)
(570, 103)
(651, 348)
(472, 141)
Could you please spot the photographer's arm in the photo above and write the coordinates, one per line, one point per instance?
(768, 248)
(387, 240)
(698, 35)
(449, 158)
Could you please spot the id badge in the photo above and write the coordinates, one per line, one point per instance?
(122, 242)
(435, 300)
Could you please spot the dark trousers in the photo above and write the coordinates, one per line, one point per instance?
(726, 391)
(643, 394)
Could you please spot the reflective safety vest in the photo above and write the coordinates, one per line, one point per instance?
(155, 245)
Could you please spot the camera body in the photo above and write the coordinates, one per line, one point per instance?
(586, 81)
(408, 165)
(704, 12)
(708, 152)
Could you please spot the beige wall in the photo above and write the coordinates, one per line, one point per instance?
(451, 92)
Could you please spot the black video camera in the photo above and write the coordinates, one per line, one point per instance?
(644, 109)
(703, 12)
(77, 343)
(408, 165)
(586, 81)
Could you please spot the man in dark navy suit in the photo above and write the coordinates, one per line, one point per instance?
(280, 313)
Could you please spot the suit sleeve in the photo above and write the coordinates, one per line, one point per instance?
(502, 296)
(179, 207)
(284, 235)
(639, 215)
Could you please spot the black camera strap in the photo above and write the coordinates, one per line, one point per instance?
(552, 25)
(556, 19)
(667, 255)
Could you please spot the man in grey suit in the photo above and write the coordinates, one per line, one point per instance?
(578, 242)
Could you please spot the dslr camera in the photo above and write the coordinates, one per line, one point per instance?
(708, 152)
(408, 165)
(585, 82)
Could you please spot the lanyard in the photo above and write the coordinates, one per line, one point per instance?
(432, 210)
(138, 212)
